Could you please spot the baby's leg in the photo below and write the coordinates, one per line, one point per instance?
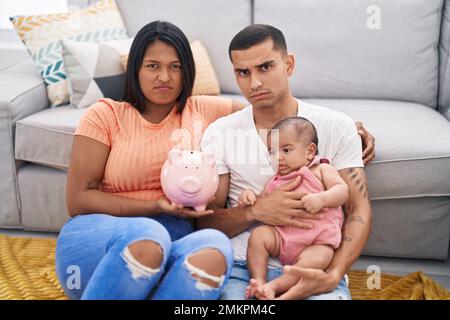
(316, 256)
(264, 242)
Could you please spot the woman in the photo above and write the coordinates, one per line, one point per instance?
(124, 239)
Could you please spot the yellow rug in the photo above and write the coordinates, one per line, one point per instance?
(27, 271)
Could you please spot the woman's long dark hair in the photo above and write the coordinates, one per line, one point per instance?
(169, 33)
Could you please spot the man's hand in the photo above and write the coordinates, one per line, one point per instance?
(283, 207)
(368, 143)
(313, 202)
(311, 282)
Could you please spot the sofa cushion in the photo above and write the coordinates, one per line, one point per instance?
(384, 50)
(46, 137)
(210, 21)
(412, 147)
(42, 34)
(205, 77)
(94, 70)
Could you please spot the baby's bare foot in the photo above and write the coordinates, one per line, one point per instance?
(253, 287)
(265, 292)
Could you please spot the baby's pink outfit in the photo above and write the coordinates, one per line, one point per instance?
(325, 231)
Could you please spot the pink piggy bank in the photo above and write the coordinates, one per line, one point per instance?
(190, 178)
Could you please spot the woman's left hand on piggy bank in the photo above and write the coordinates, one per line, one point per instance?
(165, 206)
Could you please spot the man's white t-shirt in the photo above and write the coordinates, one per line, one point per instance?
(241, 152)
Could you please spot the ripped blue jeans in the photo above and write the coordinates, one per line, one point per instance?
(93, 260)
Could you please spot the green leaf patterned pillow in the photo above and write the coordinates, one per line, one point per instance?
(42, 36)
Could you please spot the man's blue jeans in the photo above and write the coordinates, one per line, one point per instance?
(92, 260)
(240, 277)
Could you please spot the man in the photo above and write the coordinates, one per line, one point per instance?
(262, 67)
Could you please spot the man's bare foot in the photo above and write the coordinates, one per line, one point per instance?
(253, 287)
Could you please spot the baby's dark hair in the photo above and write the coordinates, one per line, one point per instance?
(304, 128)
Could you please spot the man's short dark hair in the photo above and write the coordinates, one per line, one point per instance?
(256, 34)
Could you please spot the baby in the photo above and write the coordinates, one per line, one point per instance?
(326, 192)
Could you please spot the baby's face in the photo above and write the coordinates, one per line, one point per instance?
(292, 152)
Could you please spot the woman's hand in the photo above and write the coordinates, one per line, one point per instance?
(179, 210)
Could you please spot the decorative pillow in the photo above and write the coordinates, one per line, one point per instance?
(94, 70)
(124, 61)
(42, 34)
(205, 79)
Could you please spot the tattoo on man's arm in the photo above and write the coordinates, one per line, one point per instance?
(347, 238)
(358, 178)
(358, 219)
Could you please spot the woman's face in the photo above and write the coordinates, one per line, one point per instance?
(160, 75)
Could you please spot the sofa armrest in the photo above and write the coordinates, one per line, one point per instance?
(22, 92)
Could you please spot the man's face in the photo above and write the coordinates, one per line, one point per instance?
(262, 73)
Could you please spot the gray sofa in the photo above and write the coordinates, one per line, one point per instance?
(384, 62)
